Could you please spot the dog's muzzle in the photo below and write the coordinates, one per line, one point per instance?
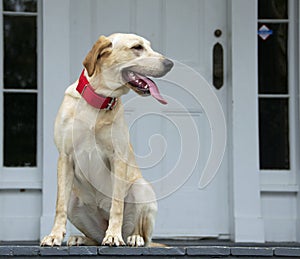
(143, 85)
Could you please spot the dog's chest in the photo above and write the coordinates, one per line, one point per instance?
(93, 150)
(92, 132)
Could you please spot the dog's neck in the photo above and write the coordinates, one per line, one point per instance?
(94, 99)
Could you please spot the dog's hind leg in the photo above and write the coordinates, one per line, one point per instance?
(148, 220)
(88, 220)
(143, 229)
(139, 214)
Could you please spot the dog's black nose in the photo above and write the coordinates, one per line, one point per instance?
(168, 64)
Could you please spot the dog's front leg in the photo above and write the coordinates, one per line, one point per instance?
(65, 176)
(113, 235)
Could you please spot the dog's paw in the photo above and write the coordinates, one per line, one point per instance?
(76, 241)
(135, 240)
(80, 240)
(113, 240)
(52, 240)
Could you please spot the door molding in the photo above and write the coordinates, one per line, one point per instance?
(246, 220)
(56, 77)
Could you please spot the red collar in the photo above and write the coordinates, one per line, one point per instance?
(92, 98)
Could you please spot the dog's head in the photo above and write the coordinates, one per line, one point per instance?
(125, 61)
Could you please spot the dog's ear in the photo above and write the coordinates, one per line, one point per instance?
(102, 45)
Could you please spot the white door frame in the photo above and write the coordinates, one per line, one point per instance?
(20, 187)
(23, 177)
(246, 218)
(56, 77)
(248, 182)
(245, 179)
(247, 223)
(279, 188)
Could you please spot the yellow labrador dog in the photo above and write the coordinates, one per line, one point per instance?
(100, 188)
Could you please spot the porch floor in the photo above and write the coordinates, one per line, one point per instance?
(175, 249)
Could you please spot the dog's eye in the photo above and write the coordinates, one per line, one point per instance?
(137, 47)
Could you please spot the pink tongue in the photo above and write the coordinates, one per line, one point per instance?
(154, 90)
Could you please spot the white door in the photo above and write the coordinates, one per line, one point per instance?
(172, 142)
(166, 139)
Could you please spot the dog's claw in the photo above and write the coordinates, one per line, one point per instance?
(76, 241)
(51, 240)
(80, 240)
(113, 240)
(135, 240)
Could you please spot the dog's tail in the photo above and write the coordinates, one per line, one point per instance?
(152, 244)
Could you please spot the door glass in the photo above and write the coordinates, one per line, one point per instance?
(20, 129)
(273, 85)
(272, 60)
(274, 133)
(20, 84)
(272, 9)
(20, 52)
(20, 5)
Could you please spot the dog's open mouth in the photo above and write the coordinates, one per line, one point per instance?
(142, 85)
